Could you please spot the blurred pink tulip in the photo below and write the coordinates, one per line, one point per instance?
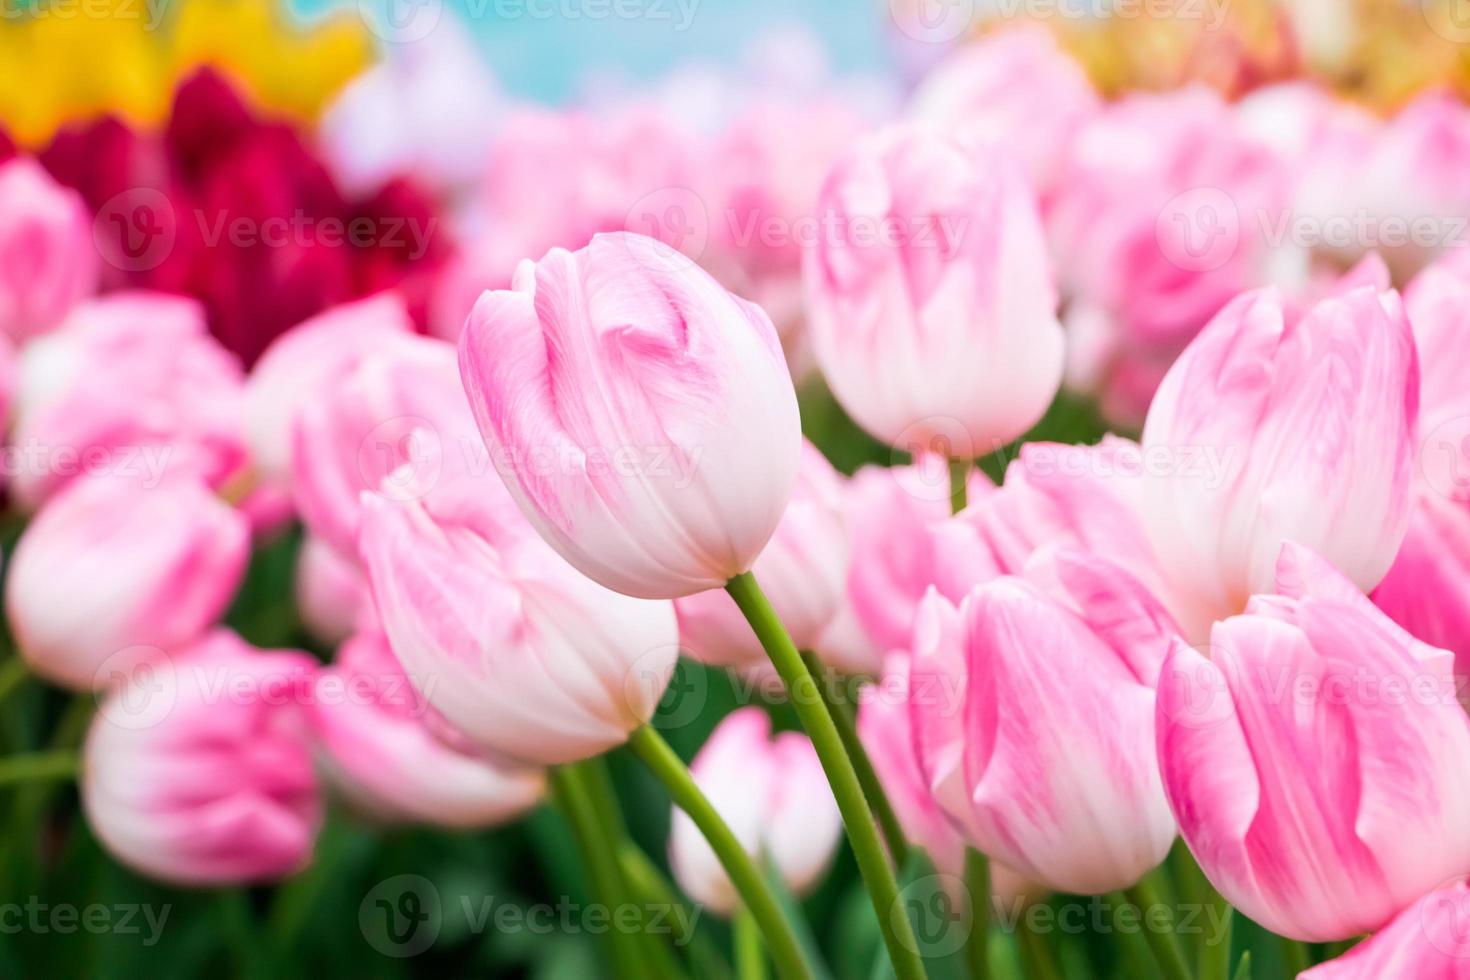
(1316, 759)
(130, 385)
(1311, 424)
(803, 568)
(642, 416)
(1427, 941)
(331, 591)
(773, 795)
(1014, 88)
(48, 263)
(199, 773)
(306, 359)
(532, 661)
(1035, 734)
(401, 406)
(380, 745)
(927, 249)
(112, 571)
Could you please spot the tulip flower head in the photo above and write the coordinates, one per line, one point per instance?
(773, 795)
(531, 660)
(382, 744)
(1316, 759)
(641, 415)
(205, 777)
(930, 296)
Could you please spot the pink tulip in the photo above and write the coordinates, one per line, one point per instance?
(1427, 941)
(1034, 735)
(113, 569)
(1311, 423)
(772, 794)
(1014, 88)
(130, 385)
(199, 773)
(927, 249)
(393, 408)
(382, 745)
(884, 727)
(531, 660)
(1316, 759)
(331, 591)
(641, 415)
(303, 361)
(804, 568)
(48, 262)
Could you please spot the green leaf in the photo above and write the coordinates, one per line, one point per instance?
(1243, 971)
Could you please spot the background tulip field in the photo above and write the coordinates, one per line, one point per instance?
(406, 403)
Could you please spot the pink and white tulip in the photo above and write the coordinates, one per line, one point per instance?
(1316, 759)
(131, 385)
(331, 591)
(306, 359)
(531, 660)
(111, 568)
(381, 744)
(201, 774)
(402, 407)
(1313, 420)
(772, 793)
(803, 568)
(929, 249)
(642, 416)
(48, 262)
(1427, 941)
(1034, 736)
(1016, 89)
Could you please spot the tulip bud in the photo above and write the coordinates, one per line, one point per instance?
(131, 385)
(331, 591)
(402, 406)
(1313, 424)
(1014, 88)
(1427, 941)
(772, 794)
(199, 773)
(883, 725)
(1035, 737)
(641, 415)
(931, 302)
(382, 745)
(47, 260)
(111, 565)
(302, 361)
(1316, 759)
(528, 658)
(803, 568)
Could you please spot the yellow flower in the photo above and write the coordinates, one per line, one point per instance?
(69, 60)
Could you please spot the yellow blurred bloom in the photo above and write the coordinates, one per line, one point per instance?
(74, 59)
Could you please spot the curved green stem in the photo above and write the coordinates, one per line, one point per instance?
(569, 785)
(857, 815)
(977, 883)
(661, 760)
(842, 717)
(1295, 955)
(750, 957)
(61, 764)
(12, 675)
(1165, 945)
(1036, 958)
